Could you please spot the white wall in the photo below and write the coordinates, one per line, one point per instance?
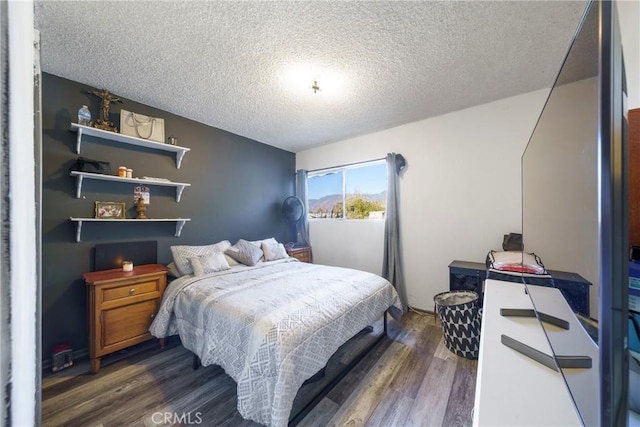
(350, 249)
(459, 193)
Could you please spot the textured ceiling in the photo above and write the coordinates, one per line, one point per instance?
(234, 65)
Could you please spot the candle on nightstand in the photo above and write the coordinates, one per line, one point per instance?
(127, 266)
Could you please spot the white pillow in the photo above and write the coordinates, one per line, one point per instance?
(258, 243)
(224, 245)
(205, 264)
(273, 251)
(182, 253)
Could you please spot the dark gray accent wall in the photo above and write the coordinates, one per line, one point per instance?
(237, 188)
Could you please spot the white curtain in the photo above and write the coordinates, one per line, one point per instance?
(392, 262)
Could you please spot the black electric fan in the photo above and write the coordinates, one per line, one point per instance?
(292, 212)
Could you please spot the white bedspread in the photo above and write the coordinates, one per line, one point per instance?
(272, 326)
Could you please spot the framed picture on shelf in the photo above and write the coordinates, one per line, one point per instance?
(110, 210)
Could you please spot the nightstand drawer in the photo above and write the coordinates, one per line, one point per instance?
(131, 289)
(127, 322)
(301, 254)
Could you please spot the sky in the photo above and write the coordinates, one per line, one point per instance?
(370, 179)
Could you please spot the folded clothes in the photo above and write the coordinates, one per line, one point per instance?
(150, 178)
(515, 261)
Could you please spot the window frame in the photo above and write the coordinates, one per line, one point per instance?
(343, 169)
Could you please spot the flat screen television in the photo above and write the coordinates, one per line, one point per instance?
(574, 195)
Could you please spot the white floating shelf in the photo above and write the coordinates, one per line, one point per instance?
(180, 186)
(112, 136)
(179, 223)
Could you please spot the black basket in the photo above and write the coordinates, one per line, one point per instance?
(460, 315)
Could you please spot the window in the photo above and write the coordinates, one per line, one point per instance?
(362, 188)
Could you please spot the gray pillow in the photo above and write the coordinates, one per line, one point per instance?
(244, 252)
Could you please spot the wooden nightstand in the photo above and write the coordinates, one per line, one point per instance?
(301, 254)
(121, 307)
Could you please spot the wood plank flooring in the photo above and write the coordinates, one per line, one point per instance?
(409, 379)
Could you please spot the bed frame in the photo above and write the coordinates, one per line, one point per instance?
(296, 418)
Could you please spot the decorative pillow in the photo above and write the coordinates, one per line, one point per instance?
(181, 254)
(173, 271)
(232, 262)
(224, 245)
(205, 264)
(258, 243)
(245, 252)
(273, 251)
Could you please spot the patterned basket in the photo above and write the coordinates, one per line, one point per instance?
(460, 318)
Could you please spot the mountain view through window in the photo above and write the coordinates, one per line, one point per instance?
(354, 192)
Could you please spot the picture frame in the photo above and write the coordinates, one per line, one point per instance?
(110, 210)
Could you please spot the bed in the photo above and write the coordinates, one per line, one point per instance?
(273, 325)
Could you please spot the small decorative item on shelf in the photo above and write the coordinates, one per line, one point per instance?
(141, 208)
(84, 116)
(140, 126)
(122, 171)
(143, 193)
(129, 173)
(127, 266)
(110, 210)
(172, 140)
(103, 122)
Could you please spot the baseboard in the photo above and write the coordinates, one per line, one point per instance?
(421, 310)
(81, 356)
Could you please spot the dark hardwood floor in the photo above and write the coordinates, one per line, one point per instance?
(409, 379)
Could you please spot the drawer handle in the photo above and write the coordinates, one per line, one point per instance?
(131, 291)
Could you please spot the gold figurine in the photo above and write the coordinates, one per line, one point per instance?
(107, 99)
(141, 209)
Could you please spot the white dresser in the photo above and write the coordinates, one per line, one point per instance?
(511, 388)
